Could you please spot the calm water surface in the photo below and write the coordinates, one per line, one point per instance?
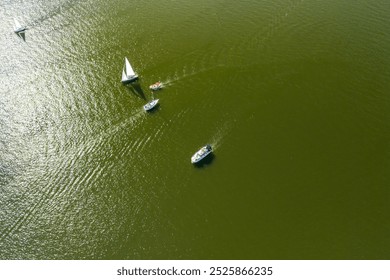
(293, 95)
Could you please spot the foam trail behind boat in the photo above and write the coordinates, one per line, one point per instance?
(219, 136)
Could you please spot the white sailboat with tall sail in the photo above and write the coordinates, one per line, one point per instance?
(128, 74)
(18, 27)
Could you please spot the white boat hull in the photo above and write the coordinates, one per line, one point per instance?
(19, 30)
(156, 86)
(129, 79)
(150, 105)
(201, 154)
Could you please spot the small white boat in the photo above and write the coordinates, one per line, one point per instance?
(156, 86)
(18, 27)
(128, 74)
(150, 105)
(201, 154)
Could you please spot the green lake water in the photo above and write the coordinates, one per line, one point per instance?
(293, 95)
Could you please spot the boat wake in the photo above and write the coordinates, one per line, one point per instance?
(185, 73)
(167, 83)
(220, 135)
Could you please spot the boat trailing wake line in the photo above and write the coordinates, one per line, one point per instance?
(220, 135)
(68, 161)
(166, 83)
(185, 74)
(133, 118)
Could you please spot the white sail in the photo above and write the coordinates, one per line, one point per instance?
(17, 24)
(124, 77)
(128, 74)
(18, 27)
(129, 71)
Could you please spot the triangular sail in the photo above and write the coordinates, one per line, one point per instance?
(17, 24)
(18, 27)
(124, 77)
(129, 71)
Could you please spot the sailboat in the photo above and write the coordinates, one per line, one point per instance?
(18, 27)
(128, 74)
(150, 105)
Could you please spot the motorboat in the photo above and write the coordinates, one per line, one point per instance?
(201, 154)
(156, 86)
(150, 105)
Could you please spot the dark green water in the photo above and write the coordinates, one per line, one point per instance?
(293, 95)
